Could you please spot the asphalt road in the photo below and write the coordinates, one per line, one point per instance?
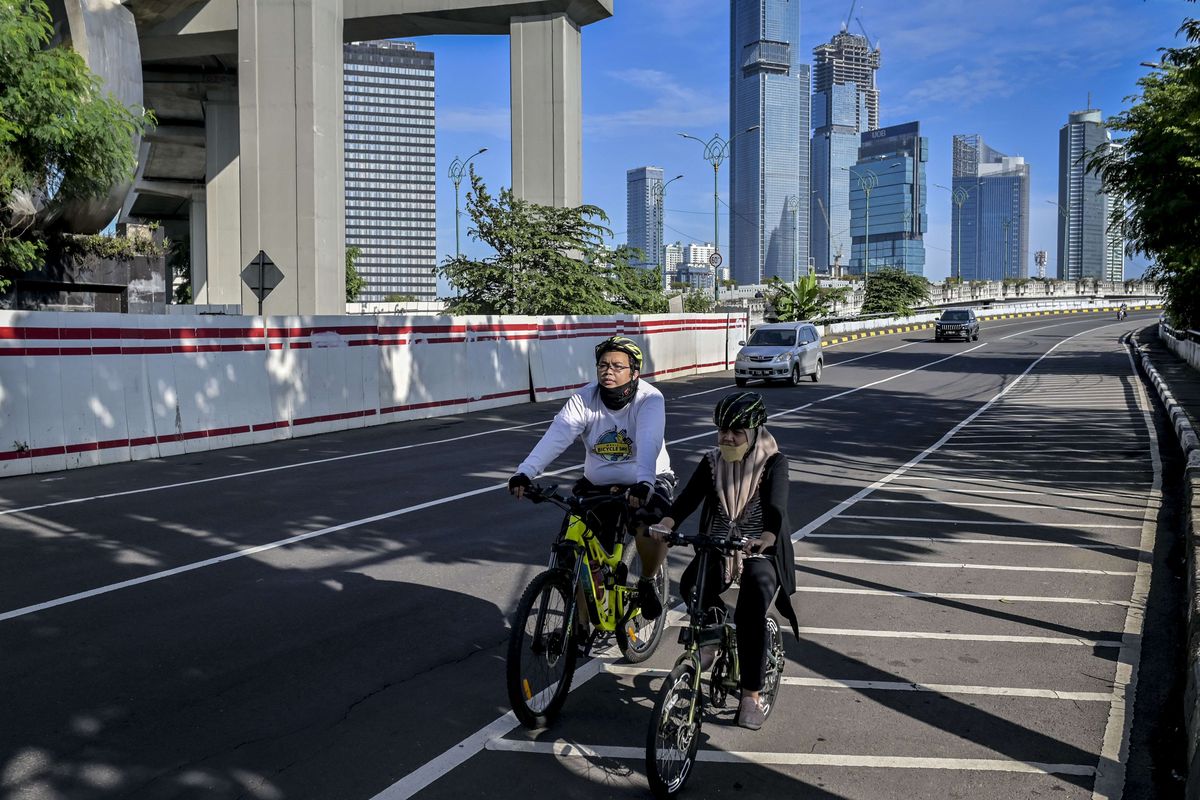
(326, 617)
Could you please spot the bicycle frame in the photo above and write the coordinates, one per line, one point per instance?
(577, 538)
(697, 635)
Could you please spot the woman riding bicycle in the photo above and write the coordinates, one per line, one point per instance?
(743, 485)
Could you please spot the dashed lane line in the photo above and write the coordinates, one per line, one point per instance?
(907, 564)
(953, 540)
(989, 522)
(969, 596)
(562, 749)
(902, 686)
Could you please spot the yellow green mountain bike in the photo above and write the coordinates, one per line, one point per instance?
(547, 628)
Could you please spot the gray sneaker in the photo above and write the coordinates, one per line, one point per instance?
(751, 714)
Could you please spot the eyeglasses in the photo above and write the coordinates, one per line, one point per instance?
(604, 366)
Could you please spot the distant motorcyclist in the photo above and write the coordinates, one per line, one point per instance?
(1122, 312)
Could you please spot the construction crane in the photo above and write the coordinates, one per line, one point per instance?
(846, 24)
(866, 35)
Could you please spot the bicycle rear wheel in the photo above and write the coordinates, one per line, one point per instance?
(638, 638)
(672, 739)
(541, 650)
(774, 674)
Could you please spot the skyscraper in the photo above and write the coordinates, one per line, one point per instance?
(769, 166)
(643, 214)
(391, 212)
(1086, 246)
(845, 103)
(887, 200)
(989, 233)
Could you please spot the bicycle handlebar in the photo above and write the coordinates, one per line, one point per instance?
(704, 541)
(546, 493)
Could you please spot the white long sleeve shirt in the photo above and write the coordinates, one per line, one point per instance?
(622, 447)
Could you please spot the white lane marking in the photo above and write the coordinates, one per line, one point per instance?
(1073, 641)
(959, 504)
(265, 470)
(387, 515)
(1110, 772)
(988, 522)
(431, 770)
(903, 686)
(987, 480)
(985, 492)
(954, 565)
(1059, 325)
(564, 749)
(469, 746)
(1000, 598)
(954, 540)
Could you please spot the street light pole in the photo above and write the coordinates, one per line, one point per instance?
(1006, 223)
(458, 168)
(658, 189)
(959, 195)
(716, 150)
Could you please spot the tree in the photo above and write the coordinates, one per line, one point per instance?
(805, 299)
(1155, 173)
(62, 138)
(697, 302)
(354, 281)
(894, 291)
(546, 260)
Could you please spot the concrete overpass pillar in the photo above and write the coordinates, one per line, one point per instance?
(547, 110)
(291, 171)
(215, 279)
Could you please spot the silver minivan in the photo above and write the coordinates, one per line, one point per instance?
(785, 351)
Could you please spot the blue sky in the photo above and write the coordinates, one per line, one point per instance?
(1009, 71)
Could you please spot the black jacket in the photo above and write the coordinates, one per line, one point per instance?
(773, 494)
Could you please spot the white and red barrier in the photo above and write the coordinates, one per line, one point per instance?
(83, 389)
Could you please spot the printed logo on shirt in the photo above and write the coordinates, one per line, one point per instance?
(613, 445)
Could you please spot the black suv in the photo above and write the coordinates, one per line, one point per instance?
(956, 322)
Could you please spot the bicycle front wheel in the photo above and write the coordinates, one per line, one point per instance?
(541, 650)
(674, 731)
(774, 675)
(638, 637)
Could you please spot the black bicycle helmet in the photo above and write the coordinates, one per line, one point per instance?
(740, 410)
(621, 344)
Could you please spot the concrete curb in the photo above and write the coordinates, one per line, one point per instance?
(1190, 445)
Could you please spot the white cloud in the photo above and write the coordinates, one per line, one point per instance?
(492, 121)
(670, 105)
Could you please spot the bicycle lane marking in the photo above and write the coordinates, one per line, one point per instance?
(155, 576)
(449, 760)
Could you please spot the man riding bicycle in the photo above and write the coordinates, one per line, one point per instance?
(621, 421)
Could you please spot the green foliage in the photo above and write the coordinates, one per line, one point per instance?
(399, 298)
(894, 291)
(118, 248)
(354, 281)
(546, 260)
(698, 302)
(954, 280)
(61, 137)
(179, 261)
(803, 300)
(1156, 172)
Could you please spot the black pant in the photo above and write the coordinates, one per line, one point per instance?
(605, 519)
(758, 586)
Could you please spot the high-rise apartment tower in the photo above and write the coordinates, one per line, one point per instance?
(643, 214)
(1087, 247)
(887, 200)
(391, 212)
(769, 169)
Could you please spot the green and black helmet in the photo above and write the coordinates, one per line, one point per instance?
(740, 410)
(621, 344)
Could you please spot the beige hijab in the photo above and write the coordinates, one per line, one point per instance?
(737, 482)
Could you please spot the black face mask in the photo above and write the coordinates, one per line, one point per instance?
(618, 397)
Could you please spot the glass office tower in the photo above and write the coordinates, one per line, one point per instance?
(1087, 248)
(391, 211)
(845, 103)
(769, 166)
(989, 231)
(887, 200)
